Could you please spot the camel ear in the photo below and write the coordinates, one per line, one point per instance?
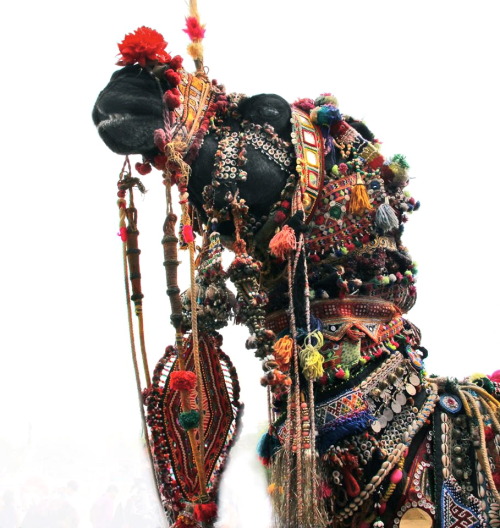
(268, 109)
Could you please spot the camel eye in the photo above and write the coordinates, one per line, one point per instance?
(268, 111)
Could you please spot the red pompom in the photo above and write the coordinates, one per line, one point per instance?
(173, 77)
(205, 512)
(160, 139)
(496, 479)
(194, 29)
(142, 46)
(279, 217)
(304, 104)
(182, 380)
(343, 168)
(176, 62)
(489, 434)
(172, 100)
(143, 168)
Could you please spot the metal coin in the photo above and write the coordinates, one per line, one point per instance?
(396, 407)
(410, 389)
(401, 398)
(414, 380)
(376, 426)
(388, 414)
(383, 421)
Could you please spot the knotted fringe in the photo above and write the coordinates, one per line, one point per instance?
(360, 201)
(287, 505)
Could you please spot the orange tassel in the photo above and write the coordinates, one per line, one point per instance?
(360, 201)
(283, 352)
(283, 242)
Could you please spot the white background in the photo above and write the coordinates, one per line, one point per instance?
(424, 77)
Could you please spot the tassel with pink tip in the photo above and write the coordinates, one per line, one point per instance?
(283, 242)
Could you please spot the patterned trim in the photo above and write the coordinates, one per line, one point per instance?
(196, 98)
(308, 142)
(454, 511)
(355, 310)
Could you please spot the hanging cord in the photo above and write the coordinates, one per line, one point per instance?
(196, 352)
(171, 263)
(312, 419)
(123, 233)
(133, 253)
(296, 391)
(129, 235)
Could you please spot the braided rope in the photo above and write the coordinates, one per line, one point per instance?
(483, 455)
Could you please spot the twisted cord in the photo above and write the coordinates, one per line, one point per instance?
(483, 455)
(121, 205)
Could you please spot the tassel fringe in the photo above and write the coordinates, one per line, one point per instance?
(360, 201)
(386, 219)
(283, 242)
(283, 476)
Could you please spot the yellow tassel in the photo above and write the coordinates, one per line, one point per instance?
(360, 201)
(310, 357)
(312, 362)
(195, 50)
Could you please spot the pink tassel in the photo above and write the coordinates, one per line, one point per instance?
(187, 234)
(123, 234)
(283, 242)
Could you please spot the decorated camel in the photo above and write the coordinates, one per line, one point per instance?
(358, 434)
